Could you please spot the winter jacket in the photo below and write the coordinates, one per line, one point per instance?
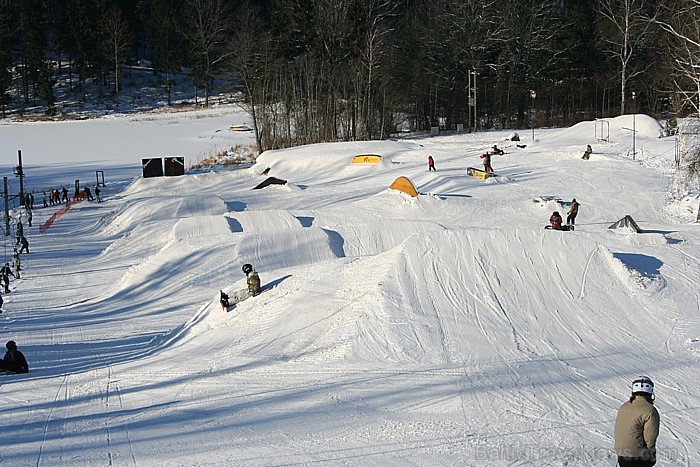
(253, 282)
(555, 220)
(636, 429)
(15, 362)
(574, 207)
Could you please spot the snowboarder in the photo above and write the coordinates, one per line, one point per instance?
(25, 244)
(5, 274)
(45, 203)
(431, 164)
(64, 192)
(637, 426)
(573, 211)
(14, 360)
(253, 279)
(88, 193)
(496, 151)
(587, 154)
(224, 300)
(1, 302)
(487, 162)
(555, 220)
(97, 194)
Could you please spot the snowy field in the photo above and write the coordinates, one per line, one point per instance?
(447, 329)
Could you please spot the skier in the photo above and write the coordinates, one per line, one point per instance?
(431, 164)
(224, 300)
(587, 154)
(637, 426)
(25, 245)
(573, 211)
(555, 220)
(253, 279)
(5, 274)
(487, 162)
(14, 360)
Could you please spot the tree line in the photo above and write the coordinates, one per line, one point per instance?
(326, 70)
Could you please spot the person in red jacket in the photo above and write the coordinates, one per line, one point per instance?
(555, 220)
(431, 164)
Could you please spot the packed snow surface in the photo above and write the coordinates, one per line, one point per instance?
(446, 329)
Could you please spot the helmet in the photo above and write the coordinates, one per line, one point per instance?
(247, 268)
(11, 345)
(555, 213)
(643, 384)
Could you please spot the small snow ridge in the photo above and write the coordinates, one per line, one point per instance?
(641, 272)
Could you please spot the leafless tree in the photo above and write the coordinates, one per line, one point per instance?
(683, 24)
(118, 39)
(629, 25)
(206, 27)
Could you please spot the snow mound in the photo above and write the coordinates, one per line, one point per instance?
(252, 221)
(201, 226)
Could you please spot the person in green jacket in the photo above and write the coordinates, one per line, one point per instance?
(253, 279)
(637, 426)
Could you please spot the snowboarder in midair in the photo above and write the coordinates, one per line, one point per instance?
(253, 279)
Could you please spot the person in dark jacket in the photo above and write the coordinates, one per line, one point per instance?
(587, 154)
(5, 274)
(253, 279)
(14, 360)
(25, 245)
(637, 426)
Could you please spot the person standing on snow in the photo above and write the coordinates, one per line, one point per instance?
(431, 164)
(25, 245)
(487, 162)
(14, 360)
(637, 426)
(573, 211)
(5, 274)
(253, 279)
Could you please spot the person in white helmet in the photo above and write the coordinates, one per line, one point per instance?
(637, 426)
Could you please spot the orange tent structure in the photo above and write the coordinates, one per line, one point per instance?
(405, 185)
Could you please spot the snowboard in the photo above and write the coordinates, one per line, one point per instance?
(238, 296)
(473, 172)
(565, 227)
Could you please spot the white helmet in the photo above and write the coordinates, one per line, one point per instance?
(643, 384)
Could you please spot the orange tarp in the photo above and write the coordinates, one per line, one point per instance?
(405, 185)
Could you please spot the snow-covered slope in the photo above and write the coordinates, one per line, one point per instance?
(447, 329)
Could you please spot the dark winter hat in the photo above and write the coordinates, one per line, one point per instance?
(247, 268)
(11, 345)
